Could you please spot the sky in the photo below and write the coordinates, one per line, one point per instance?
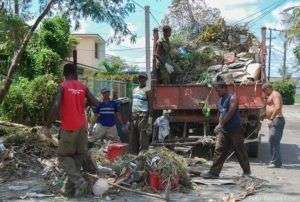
(232, 10)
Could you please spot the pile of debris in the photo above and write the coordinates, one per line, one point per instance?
(240, 68)
(219, 49)
(27, 153)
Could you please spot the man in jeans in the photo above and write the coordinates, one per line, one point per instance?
(229, 133)
(107, 111)
(276, 123)
(73, 154)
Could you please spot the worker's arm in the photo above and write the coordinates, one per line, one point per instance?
(92, 101)
(158, 52)
(120, 118)
(232, 108)
(277, 106)
(54, 108)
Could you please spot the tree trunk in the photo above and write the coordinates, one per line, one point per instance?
(18, 54)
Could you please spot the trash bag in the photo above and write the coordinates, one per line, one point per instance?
(163, 125)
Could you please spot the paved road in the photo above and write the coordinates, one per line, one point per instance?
(284, 183)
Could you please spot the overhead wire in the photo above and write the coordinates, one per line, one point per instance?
(138, 4)
(255, 13)
(262, 15)
(157, 22)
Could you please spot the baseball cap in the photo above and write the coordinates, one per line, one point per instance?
(105, 89)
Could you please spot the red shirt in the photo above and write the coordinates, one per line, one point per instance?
(72, 109)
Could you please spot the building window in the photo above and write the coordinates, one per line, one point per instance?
(96, 51)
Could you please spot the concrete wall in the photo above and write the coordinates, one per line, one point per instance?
(86, 50)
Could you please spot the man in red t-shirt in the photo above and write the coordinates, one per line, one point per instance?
(73, 153)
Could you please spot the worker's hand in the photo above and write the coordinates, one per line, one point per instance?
(218, 129)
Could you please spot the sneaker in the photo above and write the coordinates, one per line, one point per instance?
(273, 166)
(210, 175)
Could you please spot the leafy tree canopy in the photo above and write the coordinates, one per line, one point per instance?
(113, 12)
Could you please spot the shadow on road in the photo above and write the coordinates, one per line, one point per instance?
(290, 155)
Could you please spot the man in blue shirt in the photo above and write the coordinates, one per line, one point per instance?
(229, 133)
(107, 112)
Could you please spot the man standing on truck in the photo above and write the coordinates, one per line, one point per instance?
(163, 57)
(276, 123)
(229, 133)
(72, 150)
(139, 138)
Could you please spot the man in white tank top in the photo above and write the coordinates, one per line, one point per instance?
(139, 138)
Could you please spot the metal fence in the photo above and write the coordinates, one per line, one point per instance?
(118, 89)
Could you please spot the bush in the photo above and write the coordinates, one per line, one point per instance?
(287, 89)
(28, 102)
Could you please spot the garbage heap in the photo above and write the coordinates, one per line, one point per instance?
(219, 49)
(25, 153)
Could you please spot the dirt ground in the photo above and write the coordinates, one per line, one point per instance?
(281, 184)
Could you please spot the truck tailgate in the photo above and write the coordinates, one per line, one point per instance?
(187, 97)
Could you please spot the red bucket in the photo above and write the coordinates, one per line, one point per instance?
(156, 183)
(115, 150)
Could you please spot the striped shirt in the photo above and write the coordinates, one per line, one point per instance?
(107, 111)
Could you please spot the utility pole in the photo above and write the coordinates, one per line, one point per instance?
(270, 50)
(263, 53)
(147, 44)
(75, 59)
(284, 67)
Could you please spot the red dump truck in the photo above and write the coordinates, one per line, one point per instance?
(186, 114)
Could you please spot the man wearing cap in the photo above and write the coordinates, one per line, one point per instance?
(163, 57)
(229, 133)
(107, 111)
(139, 137)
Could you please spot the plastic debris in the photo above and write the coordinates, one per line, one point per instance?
(100, 187)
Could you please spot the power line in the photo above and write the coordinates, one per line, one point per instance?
(157, 22)
(262, 15)
(138, 4)
(255, 13)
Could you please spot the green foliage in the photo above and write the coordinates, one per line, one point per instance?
(205, 79)
(211, 33)
(117, 77)
(55, 35)
(12, 31)
(13, 106)
(287, 89)
(47, 61)
(28, 102)
(48, 47)
(114, 65)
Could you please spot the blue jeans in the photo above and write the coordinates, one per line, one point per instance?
(276, 130)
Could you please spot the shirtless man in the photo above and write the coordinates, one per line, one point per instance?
(276, 123)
